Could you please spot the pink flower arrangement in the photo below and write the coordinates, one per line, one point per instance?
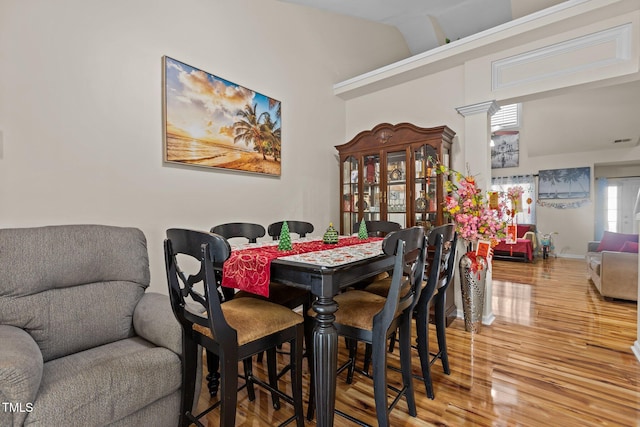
(466, 205)
(515, 192)
(515, 195)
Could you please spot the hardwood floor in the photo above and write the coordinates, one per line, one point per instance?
(557, 354)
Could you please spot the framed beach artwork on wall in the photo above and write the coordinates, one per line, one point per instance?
(568, 183)
(211, 122)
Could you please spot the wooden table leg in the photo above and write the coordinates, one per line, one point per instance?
(325, 359)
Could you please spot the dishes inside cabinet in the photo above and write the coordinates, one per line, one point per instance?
(396, 174)
(365, 205)
(422, 202)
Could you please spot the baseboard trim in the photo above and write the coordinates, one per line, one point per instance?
(636, 349)
(488, 320)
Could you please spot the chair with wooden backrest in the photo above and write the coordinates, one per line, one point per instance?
(364, 316)
(437, 236)
(301, 228)
(251, 232)
(435, 242)
(378, 228)
(229, 330)
(450, 243)
(284, 295)
(287, 296)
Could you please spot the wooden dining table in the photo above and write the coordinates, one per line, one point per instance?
(325, 273)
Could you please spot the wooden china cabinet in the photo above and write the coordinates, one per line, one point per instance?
(387, 173)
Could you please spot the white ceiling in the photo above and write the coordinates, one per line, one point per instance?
(426, 24)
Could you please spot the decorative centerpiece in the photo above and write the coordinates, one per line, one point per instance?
(363, 233)
(331, 235)
(481, 227)
(284, 243)
(514, 195)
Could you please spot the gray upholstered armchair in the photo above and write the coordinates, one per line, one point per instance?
(81, 343)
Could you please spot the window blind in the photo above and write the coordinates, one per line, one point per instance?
(507, 117)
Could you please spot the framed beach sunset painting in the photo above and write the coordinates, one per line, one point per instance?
(212, 122)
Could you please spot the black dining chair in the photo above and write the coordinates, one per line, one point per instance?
(248, 230)
(301, 228)
(450, 243)
(287, 296)
(365, 316)
(279, 293)
(251, 232)
(422, 309)
(435, 242)
(229, 330)
(378, 228)
(375, 229)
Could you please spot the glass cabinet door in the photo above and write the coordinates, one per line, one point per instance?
(349, 192)
(396, 191)
(372, 193)
(426, 187)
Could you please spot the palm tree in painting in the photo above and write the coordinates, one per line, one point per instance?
(260, 130)
(271, 136)
(249, 129)
(272, 129)
(274, 103)
(572, 175)
(552, 177)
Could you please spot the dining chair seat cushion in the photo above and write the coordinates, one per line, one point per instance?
(381, 276)
(381, 287)
(267, 318)
(356, 309)
(282, 294)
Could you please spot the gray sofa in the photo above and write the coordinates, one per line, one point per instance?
(82, 344)
(614, 273)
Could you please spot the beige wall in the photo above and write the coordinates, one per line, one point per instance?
(431, 99)
(586, 115)
(428, 101)
(80, 113)
(80, 110)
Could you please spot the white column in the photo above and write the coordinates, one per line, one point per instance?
(636, 345)
(477, 155)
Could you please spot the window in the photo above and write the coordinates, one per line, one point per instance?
(507, 117)
(527, 214)
(612, 208)
(617, 204)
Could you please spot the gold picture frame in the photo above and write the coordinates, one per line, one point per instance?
(211, 122)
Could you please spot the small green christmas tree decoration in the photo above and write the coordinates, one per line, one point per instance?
(331, 235)
(285, 238)
(362, 232)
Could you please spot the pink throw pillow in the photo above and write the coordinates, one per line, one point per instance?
(629, 247)
(614, 241)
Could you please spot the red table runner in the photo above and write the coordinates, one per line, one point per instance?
(250, 269)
